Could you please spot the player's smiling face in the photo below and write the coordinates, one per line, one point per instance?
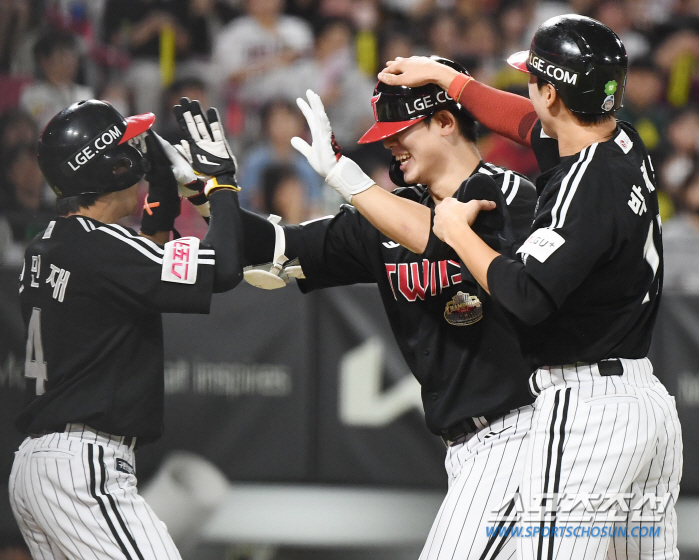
(417, 150)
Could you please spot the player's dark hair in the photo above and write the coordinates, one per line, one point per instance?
(583, 119)
(72, 204)
(468, 127)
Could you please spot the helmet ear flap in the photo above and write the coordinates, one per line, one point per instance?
(396, 174)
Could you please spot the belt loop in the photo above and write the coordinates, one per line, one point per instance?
(610, 367)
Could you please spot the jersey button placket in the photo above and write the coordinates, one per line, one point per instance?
(427, 352)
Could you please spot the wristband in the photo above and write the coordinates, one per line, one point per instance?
(457, 86)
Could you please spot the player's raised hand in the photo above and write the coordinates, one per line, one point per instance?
(325, 155)
(209, 150)
(320, 154)
(417, 71)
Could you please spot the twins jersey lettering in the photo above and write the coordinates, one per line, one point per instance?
(457, 343)
(450, 361)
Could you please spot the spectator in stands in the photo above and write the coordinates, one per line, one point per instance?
(281, 122)
(141, 27)
(396, 43)
(445, 35)
(284, 194)
(26, 209)
(481, 49)
(193, 88)
(56, 56)
(617, 15)
(251, 52)
(333, 74)
(681, 240)
(643, 106)
(682, 151)
(17, 128)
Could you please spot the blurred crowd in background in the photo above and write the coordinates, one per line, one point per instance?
(252, 58)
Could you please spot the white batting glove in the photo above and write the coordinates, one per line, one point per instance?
(325, 155)
(190, 185)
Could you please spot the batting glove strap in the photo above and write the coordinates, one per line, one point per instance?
(225, 181)
(348, 179)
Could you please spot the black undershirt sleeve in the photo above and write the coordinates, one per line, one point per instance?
(518, 292)
(225, 235)
(260, 238)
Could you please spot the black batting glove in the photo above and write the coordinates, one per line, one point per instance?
(209, 149)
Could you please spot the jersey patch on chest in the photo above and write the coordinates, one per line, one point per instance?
(180, 260)
(463, 310)
(542, 244)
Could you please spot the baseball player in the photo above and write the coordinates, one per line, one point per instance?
(456, 341)
(586, 284)
(92, 293)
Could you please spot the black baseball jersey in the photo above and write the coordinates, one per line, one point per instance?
(456, 341)
(92, 296)
(595, 251)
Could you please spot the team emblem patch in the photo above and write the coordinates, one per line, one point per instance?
(463, 309)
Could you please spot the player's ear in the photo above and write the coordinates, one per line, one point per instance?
(446, 121)
(549, 95)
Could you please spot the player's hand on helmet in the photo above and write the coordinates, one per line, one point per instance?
(450, 216)
(325, 154)
(417, 71)
(208, 150)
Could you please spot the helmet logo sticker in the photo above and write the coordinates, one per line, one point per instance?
(553, 71)
(374, 100)
(99, 143)
(608, 104)
(420, 104)
(610, 87)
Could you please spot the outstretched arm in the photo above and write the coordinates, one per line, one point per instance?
(404, 221)
(509, 115)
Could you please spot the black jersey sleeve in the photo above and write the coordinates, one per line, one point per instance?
(545, 148)
(580, 234)
(141, 274)
(333, 251)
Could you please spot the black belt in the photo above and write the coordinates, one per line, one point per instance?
(459, 431)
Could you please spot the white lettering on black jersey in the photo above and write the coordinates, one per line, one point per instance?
(605, 274)
(92, 298)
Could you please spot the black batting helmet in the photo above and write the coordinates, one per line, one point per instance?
(84, 149)
(582, 58)
(399, 107)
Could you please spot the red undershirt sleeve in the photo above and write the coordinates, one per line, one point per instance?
(505, 113)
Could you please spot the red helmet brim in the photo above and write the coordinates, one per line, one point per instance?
(519, 61)
(136, 125)
(382, 130)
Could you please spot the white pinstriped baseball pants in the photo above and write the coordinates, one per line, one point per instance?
(484, 474)
(74, 495)
(602, 435)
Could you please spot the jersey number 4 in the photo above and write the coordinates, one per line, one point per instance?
(34, 365)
